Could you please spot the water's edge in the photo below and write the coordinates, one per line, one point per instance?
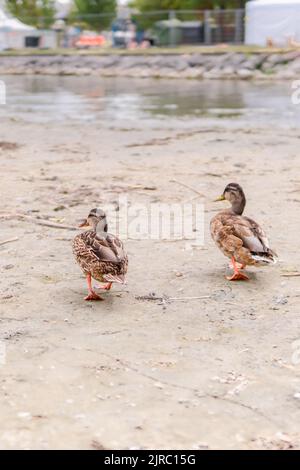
(147, 102)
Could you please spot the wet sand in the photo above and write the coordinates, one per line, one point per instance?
(128, 373)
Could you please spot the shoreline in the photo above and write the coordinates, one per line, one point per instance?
(217, 64)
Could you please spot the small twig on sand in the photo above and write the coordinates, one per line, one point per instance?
(54, 225)
(38, 221)
(188, 187)
(165, 298)
(295, 274)
(149, 297)
(9, 241)
(63, 239)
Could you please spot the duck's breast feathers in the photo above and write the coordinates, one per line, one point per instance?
(222, 232)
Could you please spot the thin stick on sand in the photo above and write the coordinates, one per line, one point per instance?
(54, 225)
(171, 299)
(188, 187)
(9, 241)
(295, 274)
(39, 221)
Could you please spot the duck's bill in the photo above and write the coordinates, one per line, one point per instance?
(84, 224)
(220, 198)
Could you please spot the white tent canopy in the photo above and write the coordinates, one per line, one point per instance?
(275, 20)
(7, 23)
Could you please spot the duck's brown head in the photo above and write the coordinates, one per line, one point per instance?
(96, 220)
(235, 195)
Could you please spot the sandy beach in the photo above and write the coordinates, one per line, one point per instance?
(216, 368)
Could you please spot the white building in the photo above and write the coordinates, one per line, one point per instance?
(16, 35)
(275, 22)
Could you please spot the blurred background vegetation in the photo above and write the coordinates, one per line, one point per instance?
(33, 12)
(148, 5)
(99, 14)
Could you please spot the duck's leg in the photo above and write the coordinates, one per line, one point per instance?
(238, 265)
(237, 275)
(107, 286)
(92, 294)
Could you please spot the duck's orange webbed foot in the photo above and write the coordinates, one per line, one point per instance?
(107, 286)
(237, 275)
(93, 296)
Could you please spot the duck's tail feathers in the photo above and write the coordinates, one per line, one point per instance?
(269, 257)
(120, 279)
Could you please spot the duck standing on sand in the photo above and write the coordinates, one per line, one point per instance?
(99, 254)
(239, 237)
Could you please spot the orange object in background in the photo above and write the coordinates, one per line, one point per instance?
(90, 41)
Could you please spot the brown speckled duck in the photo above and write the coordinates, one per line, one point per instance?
(239, 237)
(99, 254)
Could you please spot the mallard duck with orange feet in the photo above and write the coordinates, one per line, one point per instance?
(240, 238)
(100, 254)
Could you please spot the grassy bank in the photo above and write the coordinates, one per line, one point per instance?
(151, 51)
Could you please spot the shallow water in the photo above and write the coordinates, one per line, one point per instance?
(149, 102)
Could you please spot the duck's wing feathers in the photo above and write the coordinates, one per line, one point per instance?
(251, 234)
(253, 237)
(242, 238)
(107, 248)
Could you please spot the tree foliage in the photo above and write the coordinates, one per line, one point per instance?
(148, 5)
(147, 20)
(91, 11)
(33, 12)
